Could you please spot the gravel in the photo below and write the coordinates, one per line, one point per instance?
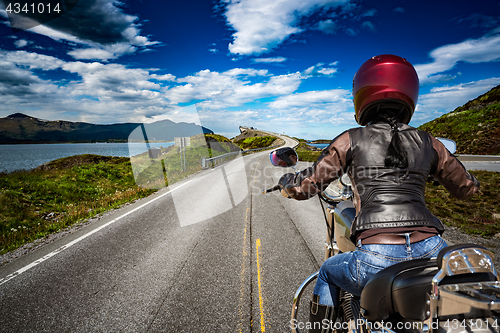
(454, 235)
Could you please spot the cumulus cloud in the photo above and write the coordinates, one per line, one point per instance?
(20, 43)
(314, 114)
(444, 99)
(311, 99)
(104, 53)
(109, 93)
(231, 88)
(100, 29)
(30, 60)
(484, 49)
(262, 25)
(19, 87)
(100, 92)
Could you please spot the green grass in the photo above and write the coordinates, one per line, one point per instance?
(306, 152)
(43, 201)
(256, 142)
(37, 203)
(460, 213)
(473, 130)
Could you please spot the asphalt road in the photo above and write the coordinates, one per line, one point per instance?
(208, 254)
(229, 261)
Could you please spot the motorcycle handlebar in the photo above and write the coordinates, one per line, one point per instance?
(272, 189)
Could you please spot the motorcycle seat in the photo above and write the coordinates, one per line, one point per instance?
(401, 290)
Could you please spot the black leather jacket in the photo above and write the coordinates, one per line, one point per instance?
(385, 197)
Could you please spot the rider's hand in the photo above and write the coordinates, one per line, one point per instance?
(283, 193)
(285, 180)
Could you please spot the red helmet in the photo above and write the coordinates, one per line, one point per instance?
(384, 78)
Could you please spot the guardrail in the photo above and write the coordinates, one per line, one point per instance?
(477, 158)
(211, 162)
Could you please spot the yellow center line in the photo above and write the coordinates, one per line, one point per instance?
(261, 303)
(242, 275)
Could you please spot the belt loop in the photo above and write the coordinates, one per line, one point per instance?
(408, 248)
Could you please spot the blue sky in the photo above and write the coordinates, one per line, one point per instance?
(280, 65)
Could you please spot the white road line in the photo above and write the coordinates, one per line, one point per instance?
(64, 247)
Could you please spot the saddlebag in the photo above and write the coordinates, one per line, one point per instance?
(402, 290)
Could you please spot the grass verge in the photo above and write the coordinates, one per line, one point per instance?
(476, 216)
(46, 200)
(62, 192)
(307, 153)
(256, 142)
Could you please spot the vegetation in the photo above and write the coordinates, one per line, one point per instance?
(255, 142)
(46, 200)
(478, 215)
(475, 126)
(307, 153)
(62, 192)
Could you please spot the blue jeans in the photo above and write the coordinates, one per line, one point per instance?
(352, 270)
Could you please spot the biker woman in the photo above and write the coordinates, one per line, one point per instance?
(389, 164)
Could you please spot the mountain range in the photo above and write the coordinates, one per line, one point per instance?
(20, 128)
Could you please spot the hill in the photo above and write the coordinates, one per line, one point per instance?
(475, 126)
(21, 128)
(251, 138)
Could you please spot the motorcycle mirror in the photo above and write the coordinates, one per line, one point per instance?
(284, 157)
(449, 144)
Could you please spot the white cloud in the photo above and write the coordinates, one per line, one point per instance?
(103, 52)
(262, 25)
(165, 77)
(31, 60)
(314, 114)
(444, 99)
(20, 43)
(328, 26)
(313, 99)
(319, 69)
(55, 34)
(485, 49)
(110, 93)
(270, 60)
(231, 88)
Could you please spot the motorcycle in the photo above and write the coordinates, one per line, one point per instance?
(459, 291)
